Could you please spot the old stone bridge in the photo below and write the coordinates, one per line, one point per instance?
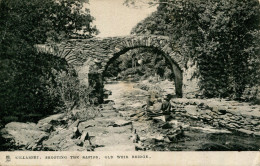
(91, 57)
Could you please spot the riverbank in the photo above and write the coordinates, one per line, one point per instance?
(236, 116)
(121, 124)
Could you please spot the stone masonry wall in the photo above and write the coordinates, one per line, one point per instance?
(100, 50)
(191, 87)
(232, 115)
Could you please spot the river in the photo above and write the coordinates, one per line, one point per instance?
(128, 101)
(121, 123)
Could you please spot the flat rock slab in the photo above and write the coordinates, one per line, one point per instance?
(19, 126)
(119, 123)
(110, 114)
(51, 118)
(97, 122)
(218, 105)
(156, 137)
(211, 130)
(126, 147)
(61, 140)
(112, 139)
(136, 105)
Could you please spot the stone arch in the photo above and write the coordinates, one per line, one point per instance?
(96, 53)
(174, 67)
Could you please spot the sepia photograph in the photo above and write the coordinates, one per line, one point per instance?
(144, 78)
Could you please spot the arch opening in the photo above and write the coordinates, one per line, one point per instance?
(175, 69)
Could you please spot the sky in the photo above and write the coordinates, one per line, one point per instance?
(115, 19)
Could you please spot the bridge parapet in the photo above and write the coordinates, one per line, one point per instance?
(101, 50)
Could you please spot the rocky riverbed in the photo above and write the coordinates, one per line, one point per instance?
(121, 124)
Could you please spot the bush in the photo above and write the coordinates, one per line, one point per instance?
(38, 84)
(84, 114)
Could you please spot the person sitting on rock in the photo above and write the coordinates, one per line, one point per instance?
(149, 103)
(166, 106)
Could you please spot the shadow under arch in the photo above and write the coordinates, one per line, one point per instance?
(173, 65)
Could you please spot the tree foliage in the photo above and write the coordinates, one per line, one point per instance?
(33, 83)
(221, 35)
(140, 63)
(36, 21)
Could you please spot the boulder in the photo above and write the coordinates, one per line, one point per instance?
(158, 138)
(23, 135)
(45, 127)
(107, 93)
(167, 140)
(207, 111)
(257, 127)
(245, 131)
(136, 105)
(76, 133)
(86, 124)
(174, 122)
(207, 117)
(84, 136)
(257, 134)
(191, 109)
(139, 147)
(166, 126)
(157, 118)
(74, 124)
(57, 140)
(222, 109)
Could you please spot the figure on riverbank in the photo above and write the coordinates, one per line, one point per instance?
(155, 107)
(150, 106)
(166, 107)
(149, 103)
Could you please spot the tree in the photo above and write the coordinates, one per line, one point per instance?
(35, 21)
(32, 82)
(221, 35)
(152, 64)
